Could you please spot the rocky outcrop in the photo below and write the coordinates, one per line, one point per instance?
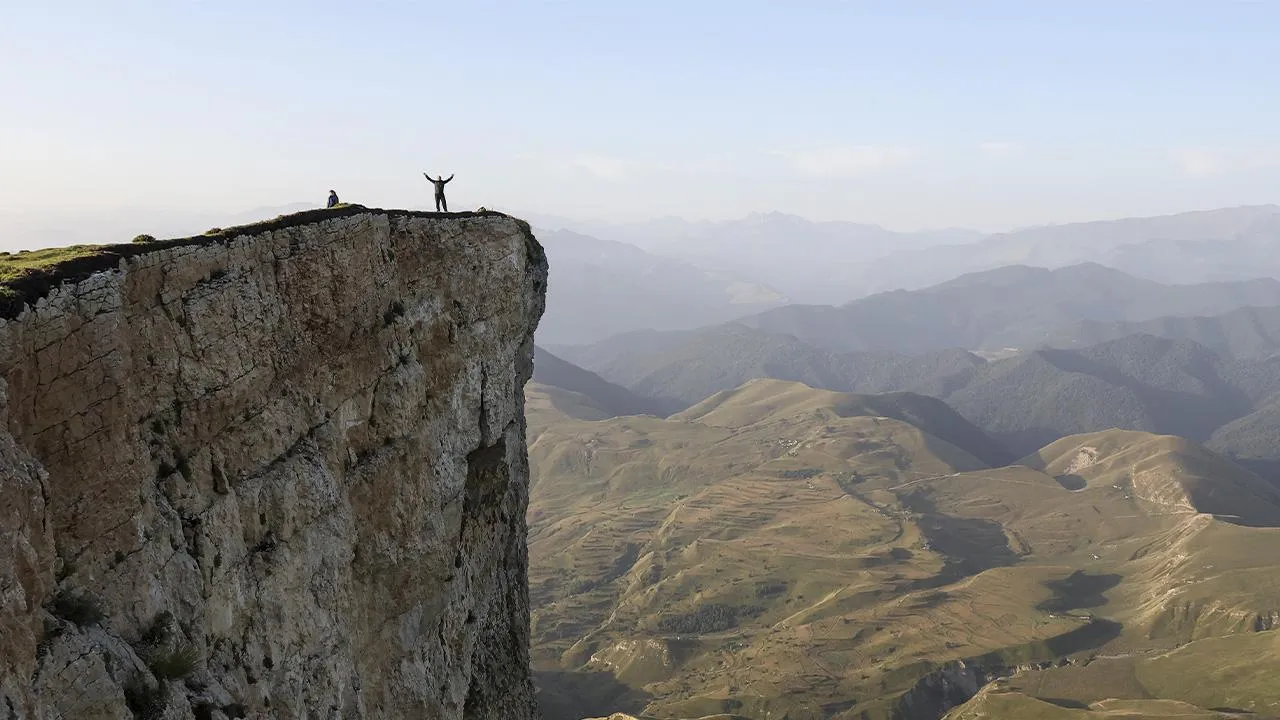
(277, 471)
(939, 691)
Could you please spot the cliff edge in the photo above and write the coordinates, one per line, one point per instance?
(274, 472)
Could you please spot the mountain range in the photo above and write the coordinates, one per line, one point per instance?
(1015, 306)
(1240, 243)
(599, 286)
(1246, 332)
(836, 262)
(807, 261)
(1138, 381)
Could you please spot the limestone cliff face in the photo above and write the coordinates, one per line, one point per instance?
(279, 472)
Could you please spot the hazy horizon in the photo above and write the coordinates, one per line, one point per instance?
(991, 116)
(24, 230)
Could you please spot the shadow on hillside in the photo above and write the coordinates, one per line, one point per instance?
(953, 684)
(982, 446)
(1089, 636)
(1094, 634)
(1071, 482)
(1268, 470)
(1078, 590)
(573, 695)
(970, 545)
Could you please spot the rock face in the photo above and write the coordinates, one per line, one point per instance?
(275, 472)
(939, 691)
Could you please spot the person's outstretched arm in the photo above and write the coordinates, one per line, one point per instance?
(427, 177)
(450, 178)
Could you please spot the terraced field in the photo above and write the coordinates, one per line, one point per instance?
(777, 551)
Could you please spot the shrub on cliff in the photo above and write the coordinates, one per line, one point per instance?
(78, 608)
(175, 662)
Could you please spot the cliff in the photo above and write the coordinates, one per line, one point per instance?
(276, 471)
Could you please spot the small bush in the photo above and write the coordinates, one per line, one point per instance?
(177, 662)
(213, 231)
(81, 609)
(144, 238)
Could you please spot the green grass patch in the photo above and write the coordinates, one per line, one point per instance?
(15, 265)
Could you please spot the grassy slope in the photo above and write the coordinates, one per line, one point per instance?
(762, 553)
(1220, 677)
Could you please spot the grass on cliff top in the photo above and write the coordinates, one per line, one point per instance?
(15, 265)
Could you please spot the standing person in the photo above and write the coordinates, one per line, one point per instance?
(333, 199)
(439, 183)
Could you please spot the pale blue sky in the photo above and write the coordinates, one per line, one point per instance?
(909, 114)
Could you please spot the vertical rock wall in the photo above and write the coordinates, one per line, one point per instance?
(279, 472)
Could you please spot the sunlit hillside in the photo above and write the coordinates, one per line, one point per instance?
(780, 551)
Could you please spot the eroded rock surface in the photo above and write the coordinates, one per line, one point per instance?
(280, 473)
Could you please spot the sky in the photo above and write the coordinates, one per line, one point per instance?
(911, 114)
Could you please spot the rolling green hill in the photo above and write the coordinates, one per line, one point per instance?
(931, 415)
(1138, 382)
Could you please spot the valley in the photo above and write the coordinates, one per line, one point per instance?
(781, 551)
